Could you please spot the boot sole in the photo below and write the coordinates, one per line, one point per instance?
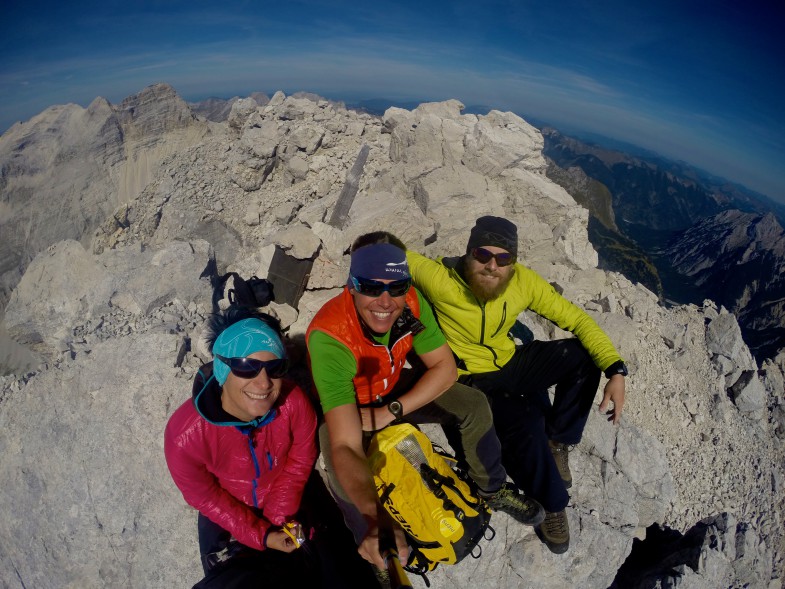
(557, 548)
(535, 521)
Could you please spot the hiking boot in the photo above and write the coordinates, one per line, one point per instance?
(561, 455)
(511, 501)
(555, 531)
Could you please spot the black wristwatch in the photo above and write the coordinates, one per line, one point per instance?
(395, 408)
(616, 368)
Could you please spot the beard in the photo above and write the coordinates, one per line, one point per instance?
(486, 284)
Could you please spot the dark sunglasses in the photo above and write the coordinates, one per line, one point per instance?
(483, 256)
(375, 288)
(250, 368)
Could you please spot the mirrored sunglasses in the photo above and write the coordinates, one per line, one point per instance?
(250, 368)
(483, 256)
(375, 288)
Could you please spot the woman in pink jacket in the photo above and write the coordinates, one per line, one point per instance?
(241, 451)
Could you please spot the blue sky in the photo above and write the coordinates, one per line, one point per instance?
(702, 81)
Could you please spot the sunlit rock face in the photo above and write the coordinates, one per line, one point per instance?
(68, 168)
(739, 260)
(117, 312)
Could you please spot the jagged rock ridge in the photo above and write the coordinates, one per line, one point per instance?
(218, 109)
(64, 171)
(91, 501)
(739, 260)
(616, 252)
(663, 206)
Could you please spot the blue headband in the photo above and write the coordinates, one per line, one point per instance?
(380, 261)
(242, 339)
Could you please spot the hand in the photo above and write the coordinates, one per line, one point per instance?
(375, 418)
(614, 393)
(294, 530)
(277, 539)
(371, 547)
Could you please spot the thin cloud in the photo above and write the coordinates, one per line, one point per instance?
(595, 71)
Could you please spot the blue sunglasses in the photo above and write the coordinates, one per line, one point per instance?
(250, 368)
(375, 288)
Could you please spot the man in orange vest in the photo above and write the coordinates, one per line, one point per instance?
(358, 344)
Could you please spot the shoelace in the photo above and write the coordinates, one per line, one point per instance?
(562, 448)
(556, 522)
(561, 454)
(524, 504)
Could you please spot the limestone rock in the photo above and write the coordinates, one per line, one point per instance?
(333, 240)
(63, 284)
(284, 313)
(240, 111)
(68, 286)
(327, 273)
(748, 393)
(496, 144)
(88, 161)
(88, 474)
(684, 457)
(298, 241)
(716, 552)
(723, 337)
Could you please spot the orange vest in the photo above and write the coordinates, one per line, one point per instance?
(378, 368)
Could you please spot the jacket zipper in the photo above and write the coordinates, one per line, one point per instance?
(482, 331)
(482, 323)
(504, 318)
(379, 398)
(256, 469)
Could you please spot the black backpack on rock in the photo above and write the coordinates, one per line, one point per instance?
(254, 292)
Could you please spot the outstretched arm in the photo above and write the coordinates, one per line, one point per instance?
(351, 469)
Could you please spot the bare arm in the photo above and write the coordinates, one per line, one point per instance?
(440, 375)
(351, 469)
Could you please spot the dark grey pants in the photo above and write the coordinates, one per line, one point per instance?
(525, 418)
(464, 415)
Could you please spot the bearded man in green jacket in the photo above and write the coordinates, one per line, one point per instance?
(477, 298)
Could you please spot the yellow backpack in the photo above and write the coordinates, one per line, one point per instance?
(443, 516)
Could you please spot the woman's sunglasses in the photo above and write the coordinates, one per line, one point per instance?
(375, 288)
(250, 368)
(483, 256)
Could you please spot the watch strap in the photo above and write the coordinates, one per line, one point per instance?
(396, 408)
(618, 367)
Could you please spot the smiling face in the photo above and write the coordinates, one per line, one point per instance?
(247, 399)
(379, 313)
(487, 281)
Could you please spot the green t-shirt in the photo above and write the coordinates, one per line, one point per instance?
(334, 366)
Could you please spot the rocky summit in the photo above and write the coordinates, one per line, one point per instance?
(118, 221)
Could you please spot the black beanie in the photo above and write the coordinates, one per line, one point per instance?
(496, 232)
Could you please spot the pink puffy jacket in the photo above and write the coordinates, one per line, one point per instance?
(226, 472)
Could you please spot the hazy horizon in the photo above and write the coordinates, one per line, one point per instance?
(690, 81)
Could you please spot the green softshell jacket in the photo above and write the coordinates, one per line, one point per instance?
(478, 333)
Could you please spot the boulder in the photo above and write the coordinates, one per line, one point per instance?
(85, 511)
